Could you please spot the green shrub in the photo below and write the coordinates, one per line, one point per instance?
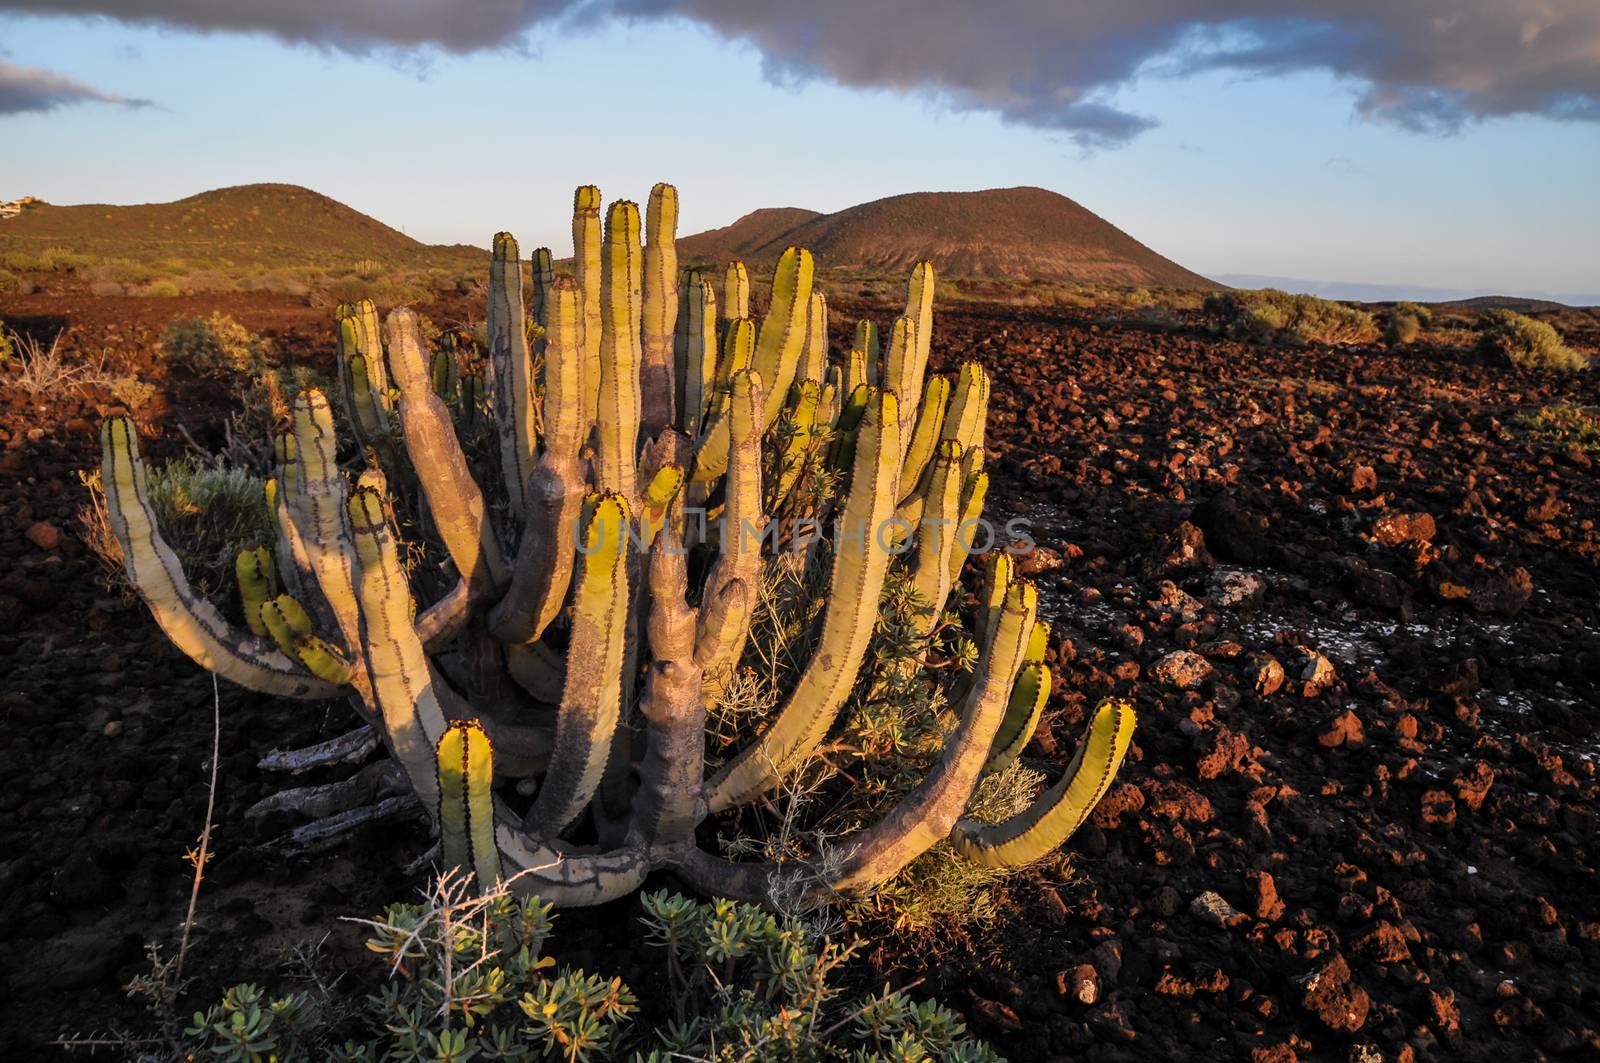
(1423, 315)
(9, 282)
(1401, 328)
(1526, 342)
(1272, 316)
(8, 350)
(163, 290)
(1564, 424)
(208, 513)
(217, 342)
(465, 978)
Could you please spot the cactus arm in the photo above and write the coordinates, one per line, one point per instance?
(537, 669)
(855, 371)
(1061, 810)
(936, 535)
(867, 343)
(919, 308)
(735, 292)
(544, 279)
(316, 508)
(738, 349)
(564, 879)
(402, 681)
(193, 624)
(542, 571)
(465, 760)
(842, 453)
(861, 560)
(453, 496)
(926, 815)
(719, 645)
(807, 396)
(698, 362)
(900, 370)
(442, 621)
(671, 772)
(656, 377)
(252, 570)
(968, 407)
(513, 368)
(814, 353)
(783, 330)
(925, 436)
(591, 699)
(1028, 698)
(586, 266)
(620, 309)
(828, 405)
(285, 620)
(973, 493)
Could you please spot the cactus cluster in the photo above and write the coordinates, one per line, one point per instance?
(549, 704)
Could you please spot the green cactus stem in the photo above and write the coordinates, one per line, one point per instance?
(512, 364)
(660, 314)
(252, 570)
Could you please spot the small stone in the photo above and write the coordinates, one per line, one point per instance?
(1383, 943)
(1081, 984)
(1343, 730)
(1363, 478)
(1265, 903)
(1182, 670)
(1039, 560)
(1333, 997)
(1267, 676)
(1392, 529)
(1366, 1052)
(1236, 590)
(112, 729)
(43, 534)
(1314, 673)
(1438, 810)
(1209, 907)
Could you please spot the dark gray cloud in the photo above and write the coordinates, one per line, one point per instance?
(1426, 65)
(32, 88)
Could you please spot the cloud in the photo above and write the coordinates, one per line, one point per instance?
(32, 88)
(1430, 66)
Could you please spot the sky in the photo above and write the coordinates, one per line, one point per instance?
(1431, 148)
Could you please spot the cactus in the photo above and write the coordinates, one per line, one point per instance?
(568, 580)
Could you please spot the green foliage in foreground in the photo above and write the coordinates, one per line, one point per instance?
(467, 980)
(7, 349)
(1271, 316)
(1526, 343)
(216, 342)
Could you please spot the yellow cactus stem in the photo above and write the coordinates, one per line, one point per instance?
(1027, 703)
(802, 417)
(403, 686)
(285, 620)
(970, 532)
(544, 278)
(866, 341)
(998, 571)
(854, 370)
(842, 454)
(1038, 643)
(924, 436)
(619, 409)
(465, 759)
(783, 330)
(919, 308)
(696, 353)
(252, 569)
(735, 292)
(512, 365)
(861, 560)
(738, 349)
(1058, 812)
(586, 267)
(814, 353)
(323, 660)
(591, 699)
(660, 314)
(936, 530)
(658, 495)
(968, 407)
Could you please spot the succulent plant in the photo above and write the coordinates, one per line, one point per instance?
(560, 656)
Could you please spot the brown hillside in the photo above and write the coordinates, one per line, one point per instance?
(746, 238)
(1011, 233)
(247, 223)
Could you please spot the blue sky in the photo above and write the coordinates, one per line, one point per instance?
(1256, 173)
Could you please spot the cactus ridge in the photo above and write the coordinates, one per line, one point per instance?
(562, 647)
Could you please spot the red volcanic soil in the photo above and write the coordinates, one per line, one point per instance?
(1354, 605)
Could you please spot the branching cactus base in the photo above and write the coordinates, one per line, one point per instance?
(549, 704)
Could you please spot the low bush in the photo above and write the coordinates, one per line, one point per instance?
(9, 282)
(209, 514)
(466, 979)
(1527, 343)
(1564, 424)
(1272, 316)
(8, 349)
(217, 342)
(163, 290)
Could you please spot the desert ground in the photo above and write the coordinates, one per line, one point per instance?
(1351, 591)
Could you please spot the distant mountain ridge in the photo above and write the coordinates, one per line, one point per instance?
(1005, 233)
